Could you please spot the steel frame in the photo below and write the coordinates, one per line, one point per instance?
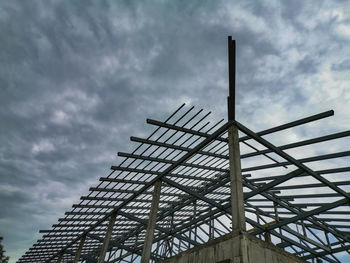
(189, 156)
(194, 173)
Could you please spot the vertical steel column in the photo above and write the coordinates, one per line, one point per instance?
(147, 246)
(232, 78)
(275, 207)
(80, 248)
(258, 220)
(104, 248)
(237, 200)
(195, 216)
(172, 231)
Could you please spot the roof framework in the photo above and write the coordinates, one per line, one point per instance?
(287, 202)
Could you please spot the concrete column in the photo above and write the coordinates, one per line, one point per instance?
(101, 258)
(237, 201)
(267, 237)
(147, 246)
(80, 248)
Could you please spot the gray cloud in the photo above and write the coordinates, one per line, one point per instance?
(342, 66)
(78, 78)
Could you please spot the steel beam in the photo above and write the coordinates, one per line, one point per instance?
(292, 160)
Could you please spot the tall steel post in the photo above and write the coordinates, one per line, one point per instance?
(237, 200)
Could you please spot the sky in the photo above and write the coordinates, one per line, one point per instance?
(78, 78)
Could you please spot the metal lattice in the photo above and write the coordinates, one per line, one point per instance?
(190, 157)
(184, 168)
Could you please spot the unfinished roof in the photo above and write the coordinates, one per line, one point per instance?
(286, 200)
(305, 211)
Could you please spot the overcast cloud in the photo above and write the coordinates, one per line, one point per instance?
(77, 78)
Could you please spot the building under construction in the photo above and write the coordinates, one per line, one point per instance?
(200, 191)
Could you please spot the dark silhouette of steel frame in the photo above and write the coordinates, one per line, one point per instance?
(188, 158)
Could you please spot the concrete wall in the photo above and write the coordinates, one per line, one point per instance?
(235, 248)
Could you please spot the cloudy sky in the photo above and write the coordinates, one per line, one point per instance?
(77, 78)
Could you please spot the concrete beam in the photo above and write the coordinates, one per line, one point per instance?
(101, 258)
(147, 246)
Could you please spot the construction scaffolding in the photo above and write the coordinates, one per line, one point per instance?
(183, 185)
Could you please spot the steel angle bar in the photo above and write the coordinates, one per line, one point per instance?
(311, 219)
(135, 170)
(175, 147)
(184, 226)
(173, 114)
(177, 207)
(261, 133)
(227, 209)
(320, 195)
(291, 159)
(326, 171)
(335, 219)
(122, 181)
(300, 143)
(290, 230)
(114, 243)
(164, 230)
(144, 171)
(273, 183)
(292, 124)
(257, 151)
(183, 129)
(291, 241)
(303, 160)
(333, 251)
(307, 215)
(191, 192)
(289, 187)
(162, 160)
(323, 213)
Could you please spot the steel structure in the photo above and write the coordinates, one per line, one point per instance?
(173, 192)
